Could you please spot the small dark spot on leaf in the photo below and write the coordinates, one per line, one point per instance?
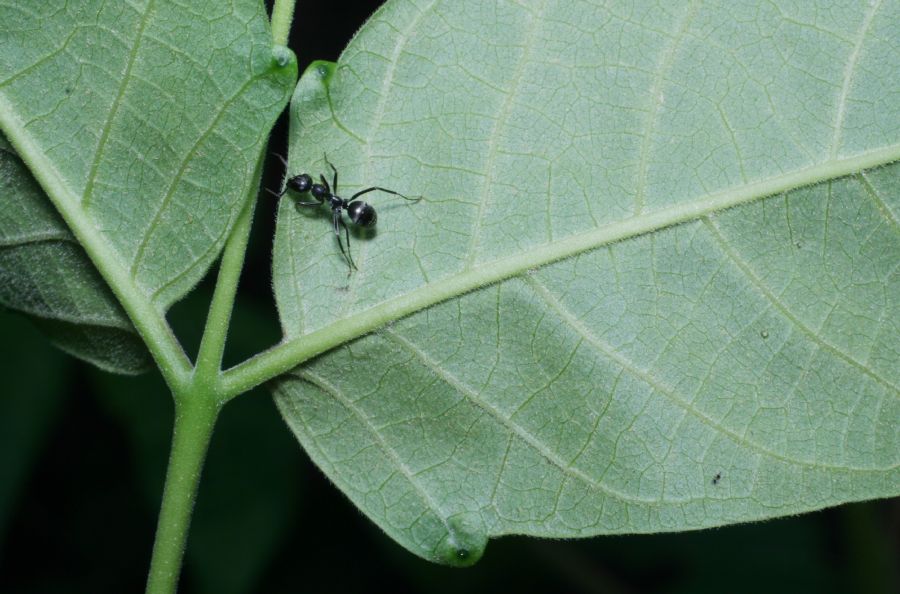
(68, 90)
(717, 478)
(798, 245)
(764, 334)
(462, 554)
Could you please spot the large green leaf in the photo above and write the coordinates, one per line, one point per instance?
(143, 122)
(653, 284)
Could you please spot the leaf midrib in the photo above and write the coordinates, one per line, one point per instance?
(295, 350)
(148, 320)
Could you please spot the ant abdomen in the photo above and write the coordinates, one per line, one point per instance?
(361, 213)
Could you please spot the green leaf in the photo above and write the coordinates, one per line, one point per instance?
(143, 122)
(45, 274)
(653, 285)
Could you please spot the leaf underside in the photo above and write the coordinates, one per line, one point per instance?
(143, 122)
(46, 274)
(671, 241)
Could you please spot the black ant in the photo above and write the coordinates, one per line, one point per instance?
(361, 213)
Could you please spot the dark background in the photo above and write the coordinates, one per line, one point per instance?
(83, 454)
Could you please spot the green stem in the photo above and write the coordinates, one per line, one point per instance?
(196, 410)
(282, 15)
(212, 345)
(195, 416)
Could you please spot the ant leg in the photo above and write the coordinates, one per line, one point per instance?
(333, 179)
(349, 257)
(299, 203)
(325, 183)
(284, 190)
(338, 222)
(372, 189)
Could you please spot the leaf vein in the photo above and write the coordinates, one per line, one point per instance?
(519, 431)
(739, 262)
(176, 179)
(666, 59)
(114, 108)
(882, 206)
(659, 386)
(25, 70)
(326, 387)
(499, 122)
(849, 72)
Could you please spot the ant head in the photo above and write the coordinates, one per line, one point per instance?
(300, 183)
(361, 214)
(319, 192)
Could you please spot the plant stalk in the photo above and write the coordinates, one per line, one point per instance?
(212, 345)
(282, 15)
(197, 404)
(195, 416)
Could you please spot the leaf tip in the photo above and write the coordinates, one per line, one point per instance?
(464, 542)
(322, 70)
(312, 89)
(283, 56)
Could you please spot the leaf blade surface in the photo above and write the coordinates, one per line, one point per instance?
(696, 274)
